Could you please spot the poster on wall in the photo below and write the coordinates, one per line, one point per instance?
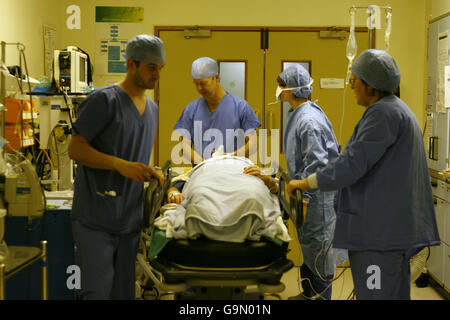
(49, 49)
(115, 26)
(442, 59)
(447, 87)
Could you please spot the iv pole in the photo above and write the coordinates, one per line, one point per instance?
(264, 47)
(371, 11)
(352, 48)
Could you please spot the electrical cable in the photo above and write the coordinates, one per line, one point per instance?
(317, 294)
(45, 152)
(445, 243)
(56, 148)
(319, 274)
(68, 107)
(343, 114)
(322, 277)
(351, 295)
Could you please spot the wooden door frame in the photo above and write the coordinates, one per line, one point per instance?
(158, 29)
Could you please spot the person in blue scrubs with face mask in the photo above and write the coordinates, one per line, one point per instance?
(218, 118)
(310, 144)
(385, 207)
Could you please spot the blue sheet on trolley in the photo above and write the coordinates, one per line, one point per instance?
(223, 203)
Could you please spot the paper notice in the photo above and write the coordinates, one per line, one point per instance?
(332, 83)
(442, 59)
(447, 86)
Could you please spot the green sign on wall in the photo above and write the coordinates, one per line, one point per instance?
(119, 14)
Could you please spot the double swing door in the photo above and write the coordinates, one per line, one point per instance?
(251, 72)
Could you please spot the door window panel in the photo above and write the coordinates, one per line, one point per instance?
(233, 77)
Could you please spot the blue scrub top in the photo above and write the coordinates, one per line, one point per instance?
(309, 140)
(111, 123)
(197, 123)
(386, 200)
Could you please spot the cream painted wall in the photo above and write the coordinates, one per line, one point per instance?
(22, 21)
(438, 8)
(408, 38)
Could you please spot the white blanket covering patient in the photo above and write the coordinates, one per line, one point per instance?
(225, 204)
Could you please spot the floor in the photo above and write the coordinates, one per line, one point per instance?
(343, 287)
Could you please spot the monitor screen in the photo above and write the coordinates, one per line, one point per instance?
(82, 69)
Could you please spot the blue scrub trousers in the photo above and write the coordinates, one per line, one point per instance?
(107, 263)
(392, 269)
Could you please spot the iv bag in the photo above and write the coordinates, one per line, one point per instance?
(387, 33)
(351, 43)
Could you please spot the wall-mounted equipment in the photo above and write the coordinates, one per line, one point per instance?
(196, 32)
(333, 33)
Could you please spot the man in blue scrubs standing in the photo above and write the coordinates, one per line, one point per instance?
(218, 118)
(114, 134)
(385, 209)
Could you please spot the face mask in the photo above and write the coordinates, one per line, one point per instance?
(280, 90)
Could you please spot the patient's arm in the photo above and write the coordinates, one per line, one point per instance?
(270, 183)
(174, 195)
(268, 180)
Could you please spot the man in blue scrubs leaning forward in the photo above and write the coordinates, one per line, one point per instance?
(217, 119)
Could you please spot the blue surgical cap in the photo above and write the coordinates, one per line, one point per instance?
(296, 76)
(204, 68)
(146, 48)
(378, 69)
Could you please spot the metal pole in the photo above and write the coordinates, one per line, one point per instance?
(3, 93)
(44, 278)
(264, 47)
(264, 91)
(263, 145)
(2, 281)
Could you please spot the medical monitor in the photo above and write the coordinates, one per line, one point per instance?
(71, 70)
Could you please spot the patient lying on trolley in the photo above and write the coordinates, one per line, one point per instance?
(225, 198)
